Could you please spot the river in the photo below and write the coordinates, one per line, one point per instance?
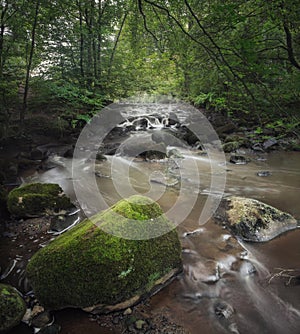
(238, 296)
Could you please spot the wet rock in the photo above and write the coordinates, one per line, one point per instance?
(110, 148)
(252, 220)
(166, 180)
(270, 143)
(227, 128)
(257, 147)
(173, 119)
(234, 142)
(12, 307)
(188, 136)
(264, 173)
(92, 268)
(207, 272)
(143, 146)
(69, 152)
(62, 221)
(238, 160)
(100, 157)
(153, 155)
(247, 268)
(166, 138)
(223, 309)
(52, 329)
(41, 320)
(175, 154)
(34, 199)
(38, 154)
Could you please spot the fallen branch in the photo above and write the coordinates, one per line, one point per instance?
(289, 274)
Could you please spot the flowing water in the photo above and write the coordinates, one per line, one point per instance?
(225, 286)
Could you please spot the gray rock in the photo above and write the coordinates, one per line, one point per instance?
(269, 143)
(41, 320)
(264, 173)
(166, 138)
(53, 329)
(252, 220)
(223, 309)
(238, 160)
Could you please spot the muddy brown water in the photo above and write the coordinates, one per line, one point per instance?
(241, 300)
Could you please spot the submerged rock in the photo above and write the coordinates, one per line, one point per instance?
(12, 307)
(89, 268)
(263, 173)
(34, 199)
(252, 220)
(238, 160)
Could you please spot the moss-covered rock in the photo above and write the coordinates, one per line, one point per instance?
(88, 266)
(252, 220)
(34, 199)
(12, 307)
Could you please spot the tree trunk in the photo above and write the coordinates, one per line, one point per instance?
(29, 65)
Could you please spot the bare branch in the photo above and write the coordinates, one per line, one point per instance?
(289, 274)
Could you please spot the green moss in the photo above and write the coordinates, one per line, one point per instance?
(35, 198)
(231, 146)
(12, 307)
(256, 221)
(87, 266)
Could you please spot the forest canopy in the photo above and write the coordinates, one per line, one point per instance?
(69, 57)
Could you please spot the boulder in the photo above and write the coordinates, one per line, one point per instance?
(252, 220)
(143, 146)
(231, 146)
(92, 268)
(12, 307)
(34, 199)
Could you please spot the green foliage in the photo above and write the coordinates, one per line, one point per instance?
(210, 101)
(234, 56)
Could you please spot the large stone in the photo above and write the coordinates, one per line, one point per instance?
(98, 271)
(252, 220)
(12, 307)
(34, 199)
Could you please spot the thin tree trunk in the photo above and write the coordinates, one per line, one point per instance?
(81, 56)
(29, 65)
(115, 47)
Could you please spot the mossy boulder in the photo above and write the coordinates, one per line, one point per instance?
(93, 268)
(252, 220)
(12, 307)
(34, 199)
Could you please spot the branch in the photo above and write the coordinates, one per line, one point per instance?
(290, 274)
(290, 49)
(145, 21)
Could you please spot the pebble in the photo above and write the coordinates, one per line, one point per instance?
(128, 311)
(139, 324)
(264, 173)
